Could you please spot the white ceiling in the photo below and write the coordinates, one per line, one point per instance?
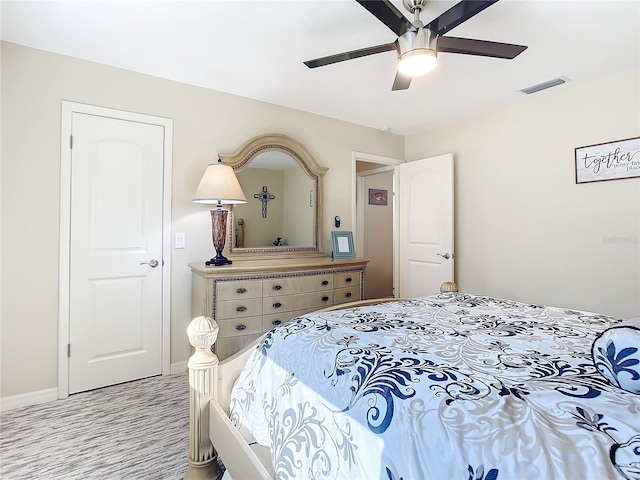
(256, 49)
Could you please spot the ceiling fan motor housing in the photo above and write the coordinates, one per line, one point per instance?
(417, 47)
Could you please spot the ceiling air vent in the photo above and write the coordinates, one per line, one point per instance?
(544, 85)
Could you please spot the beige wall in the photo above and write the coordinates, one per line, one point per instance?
(524, 229)
(205, 122)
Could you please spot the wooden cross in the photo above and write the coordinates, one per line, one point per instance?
(264, 196)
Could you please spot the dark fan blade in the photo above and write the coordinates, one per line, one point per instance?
(340, 57)
(461, 12)
(483, 48)
(384, 11)
(401, 82)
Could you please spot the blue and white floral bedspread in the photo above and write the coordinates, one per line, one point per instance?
(450, 386)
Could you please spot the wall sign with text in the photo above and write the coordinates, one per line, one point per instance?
(608, 161)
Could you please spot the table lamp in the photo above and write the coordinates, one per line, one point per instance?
(219, 185)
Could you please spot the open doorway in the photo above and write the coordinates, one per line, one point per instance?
(375, 222)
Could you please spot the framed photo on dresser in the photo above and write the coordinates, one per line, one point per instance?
(342, 244)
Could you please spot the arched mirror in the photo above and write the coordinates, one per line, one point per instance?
(283, 185)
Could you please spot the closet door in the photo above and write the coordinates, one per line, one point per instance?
(116, 251)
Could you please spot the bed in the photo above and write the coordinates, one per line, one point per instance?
(440, 387)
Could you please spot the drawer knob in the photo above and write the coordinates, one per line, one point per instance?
(324, 299)
(349, 279)
(241, 309)
(325, 282)
(277, 287)
(348, 294)
(241, 327)
(277, 305)
(276, 322)
(241, 290)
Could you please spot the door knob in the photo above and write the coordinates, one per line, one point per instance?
(153, 263)
(446, 256)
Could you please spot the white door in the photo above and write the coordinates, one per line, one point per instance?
(116, 248)
(425, 225)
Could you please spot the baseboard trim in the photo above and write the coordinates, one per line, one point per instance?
(179, 367)
(27, 399)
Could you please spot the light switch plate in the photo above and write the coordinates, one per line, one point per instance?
(181, 241)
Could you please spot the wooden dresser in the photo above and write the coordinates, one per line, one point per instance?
(250, 297)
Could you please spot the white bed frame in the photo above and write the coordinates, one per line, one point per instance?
(211, 432)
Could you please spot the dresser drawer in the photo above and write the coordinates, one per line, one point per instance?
(291, 285)
(231, 327)
(288, 303)
(346, 279)
(347, 294)
(248, 307)
(239, 289)
(274, 319)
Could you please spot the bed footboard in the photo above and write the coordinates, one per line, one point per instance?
(209, 390)
(203, 365)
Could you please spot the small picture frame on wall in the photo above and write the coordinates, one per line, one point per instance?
(342, 244)
(377, 197)
(608, 161)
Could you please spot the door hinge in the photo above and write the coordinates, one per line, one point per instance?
(71, 142)
(68, 350)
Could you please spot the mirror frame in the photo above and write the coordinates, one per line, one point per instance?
(279, 142)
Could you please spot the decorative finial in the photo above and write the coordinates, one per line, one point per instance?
(448, 287)
(202, 332)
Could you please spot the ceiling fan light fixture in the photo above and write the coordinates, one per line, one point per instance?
(417, 62)
(417, 44)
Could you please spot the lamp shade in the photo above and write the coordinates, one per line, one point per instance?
(219, 184)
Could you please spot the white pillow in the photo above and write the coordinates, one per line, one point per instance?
(616, 355)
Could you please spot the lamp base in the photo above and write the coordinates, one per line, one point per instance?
(218, 233)
(218, 261)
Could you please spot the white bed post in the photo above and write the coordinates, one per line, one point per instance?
(203, 383)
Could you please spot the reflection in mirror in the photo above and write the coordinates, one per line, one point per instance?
(284, 186)
(279, 209)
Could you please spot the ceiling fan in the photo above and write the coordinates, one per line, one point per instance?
(417, 44)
